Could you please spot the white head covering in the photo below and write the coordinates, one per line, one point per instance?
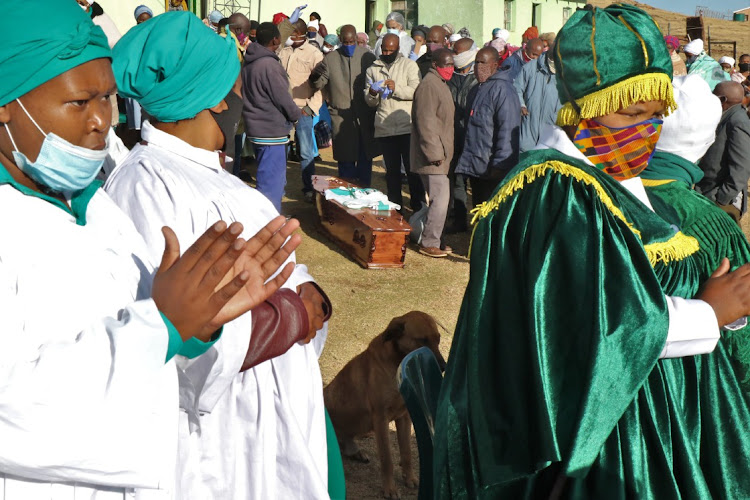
(690, 131)
(314, 24)
(455, 37)
(695, 47)
(727, 60)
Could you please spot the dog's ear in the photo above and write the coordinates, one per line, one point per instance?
(394, 331)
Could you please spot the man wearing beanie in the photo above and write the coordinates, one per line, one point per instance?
(88, 386)
(586, 308)
(261, 422)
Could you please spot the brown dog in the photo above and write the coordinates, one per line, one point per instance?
(364, 396)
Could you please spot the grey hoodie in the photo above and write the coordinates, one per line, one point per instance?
(268, 109)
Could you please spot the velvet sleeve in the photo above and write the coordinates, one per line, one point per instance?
(562, 321)
(277, 324)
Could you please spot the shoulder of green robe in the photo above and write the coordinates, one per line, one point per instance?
(659, 239)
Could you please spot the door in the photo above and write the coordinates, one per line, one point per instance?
(536, 15)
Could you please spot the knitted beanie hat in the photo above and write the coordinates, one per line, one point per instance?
(609, 59)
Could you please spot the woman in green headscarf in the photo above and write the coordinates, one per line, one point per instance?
(88, 385)
(579, 294)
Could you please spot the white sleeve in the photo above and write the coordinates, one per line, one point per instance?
(693, 328)
(93, 406)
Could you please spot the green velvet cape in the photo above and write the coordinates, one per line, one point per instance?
(554, 383)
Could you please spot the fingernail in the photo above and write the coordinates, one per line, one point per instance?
(239, 244)
(235, 228)
(219, 226)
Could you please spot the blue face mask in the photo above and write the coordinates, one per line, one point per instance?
(60, 165)
(393, 31)
(348, 50)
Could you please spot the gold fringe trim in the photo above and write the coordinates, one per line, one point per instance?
(646, 87)
(655, 182)
(643, 42)
(676, 248)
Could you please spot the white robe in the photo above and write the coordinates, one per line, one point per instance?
(88, 406)
(262, 432)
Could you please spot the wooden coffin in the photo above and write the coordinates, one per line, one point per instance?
(373, 238)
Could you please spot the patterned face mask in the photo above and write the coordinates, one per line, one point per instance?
(623, 153)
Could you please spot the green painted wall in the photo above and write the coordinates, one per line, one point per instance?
(480, 16)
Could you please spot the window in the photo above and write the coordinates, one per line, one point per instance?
(536, 14)
(566, 14)
(408, 9)
(508, 15)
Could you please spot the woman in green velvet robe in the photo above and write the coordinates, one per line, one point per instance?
(557, 384)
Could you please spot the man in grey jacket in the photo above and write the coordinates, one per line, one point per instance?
(269, 111)
(726, 165)
(391, 82)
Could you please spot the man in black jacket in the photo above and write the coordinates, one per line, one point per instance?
(726, 165)
(460, 85)
(269, 111)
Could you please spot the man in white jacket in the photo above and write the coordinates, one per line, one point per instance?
(88, 391)
(262, 427)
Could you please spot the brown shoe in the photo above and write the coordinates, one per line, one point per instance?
(446, 249)
(432, 252)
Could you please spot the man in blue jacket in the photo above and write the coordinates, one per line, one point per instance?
(536, 87)
(491, 146)
(269, 111)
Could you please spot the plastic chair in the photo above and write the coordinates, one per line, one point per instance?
(419, 381)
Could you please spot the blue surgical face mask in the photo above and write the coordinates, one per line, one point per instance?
(60, 165)
(348, 50)
(393, 31)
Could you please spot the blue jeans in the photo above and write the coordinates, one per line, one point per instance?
(361, 172)
(271, 177)
(304, 138)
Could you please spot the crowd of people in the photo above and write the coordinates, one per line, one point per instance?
(161, 340)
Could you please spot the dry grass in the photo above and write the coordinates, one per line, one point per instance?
(720, 30)
(364, 301)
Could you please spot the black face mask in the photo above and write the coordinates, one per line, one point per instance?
(388, 59)
(228, 119)
(744, 67)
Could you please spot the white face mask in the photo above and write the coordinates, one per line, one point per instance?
(60, 165)
(289, 42)
(326, 50)
(84, 7)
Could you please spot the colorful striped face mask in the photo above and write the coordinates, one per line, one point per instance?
(623, 153)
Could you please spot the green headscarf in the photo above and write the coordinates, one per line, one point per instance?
(175, 66)
(608, 59)
(62, 38)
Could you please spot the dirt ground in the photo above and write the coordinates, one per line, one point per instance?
(364, 301)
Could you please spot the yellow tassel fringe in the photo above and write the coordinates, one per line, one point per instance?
(656, 183)
(646, 87)
(676, 248)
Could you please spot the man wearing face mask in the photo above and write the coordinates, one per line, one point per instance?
(437, 39)
(536, 86)
(744, 67)
(568, 217)
(491, 147)
(174, 177)
(395, 25)
(269, 111)
(460, 85)
(432, 147)
(530, 52)
(701, 64)
(725, 164)
(330, 43)
(299, 59)
(391, 83)
(342, 75)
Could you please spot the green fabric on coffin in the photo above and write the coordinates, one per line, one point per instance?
(554, 370)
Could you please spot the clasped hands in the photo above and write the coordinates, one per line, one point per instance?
(383, 87)
(221, 276)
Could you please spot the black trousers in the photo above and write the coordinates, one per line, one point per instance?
(395, 150)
